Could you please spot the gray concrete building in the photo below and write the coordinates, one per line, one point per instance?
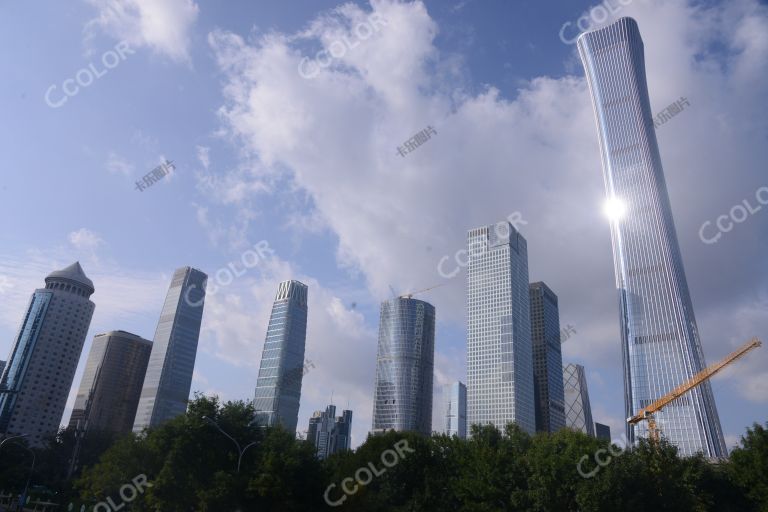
(44, 356)
(111, 384)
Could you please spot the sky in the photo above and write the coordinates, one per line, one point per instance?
(276, 143)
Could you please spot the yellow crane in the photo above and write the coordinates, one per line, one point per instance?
(648, 413)
(409, 295)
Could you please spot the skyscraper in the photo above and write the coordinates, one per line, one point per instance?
(2, 368)
(328, 433)
(44, 356)
(455, 409)
(278, 388)
(547, 359)
(578, 411)
(168, 380)
(660, 340)
(404, 366)
(111, 384)
(602, 431)
(499, 349)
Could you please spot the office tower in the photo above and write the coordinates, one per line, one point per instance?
(342, 440)
(165, 391)
(278, 388)
(602, 431)
(111, 384)
(660, 340)
(45, 354)
(547, 359)
(499, 349)
(404, 366)
(455, 409)
(2, 368)
(328, 433)
(578, 412)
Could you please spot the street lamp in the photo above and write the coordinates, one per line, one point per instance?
(12, 437)
(31, 470)
(241, 451)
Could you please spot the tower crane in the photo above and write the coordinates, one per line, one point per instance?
(411, 294)
(648, 413)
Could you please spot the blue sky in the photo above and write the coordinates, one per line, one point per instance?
(309, 165)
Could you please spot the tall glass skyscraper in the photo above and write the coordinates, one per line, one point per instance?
(547, 359)
(660, 340)
(455, 409)
(166, 387)
(499, 349)
(278, 388)
(578, 410)
(45, 354)
(111, 384)
(404, 366)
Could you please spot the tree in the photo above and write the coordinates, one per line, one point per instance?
(749, 466)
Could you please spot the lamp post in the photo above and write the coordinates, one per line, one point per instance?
(12, 437)
(23, 496)
(240, 450)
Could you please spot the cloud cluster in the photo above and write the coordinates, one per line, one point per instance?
(532, 150)
(162, 26)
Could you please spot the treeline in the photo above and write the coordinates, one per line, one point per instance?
(189, 465)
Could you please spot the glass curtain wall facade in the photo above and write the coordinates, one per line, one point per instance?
(328, 433)
(404, 366)
(661, 348)
(111, 384)
(278, 388)
(578, 411)
(168, 380)
(547, 359)
(455, 409)
(499, 348)
(44, 357)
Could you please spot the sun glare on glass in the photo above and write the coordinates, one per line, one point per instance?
(615, 209)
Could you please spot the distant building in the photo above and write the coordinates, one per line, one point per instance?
(499, 348)
(111, 384)
(165, 392)
(404, 366)
(578, 412)
(547, 359)
(661, 348)
(455, 409)
(278, 387)
(603, 431)
(45, 354)
(328, 433)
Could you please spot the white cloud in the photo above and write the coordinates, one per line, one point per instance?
(336, 136)
(118, 165)
(85, 240)
(163, 26)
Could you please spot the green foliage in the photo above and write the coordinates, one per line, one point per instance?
(192, 466)
(749, 466)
